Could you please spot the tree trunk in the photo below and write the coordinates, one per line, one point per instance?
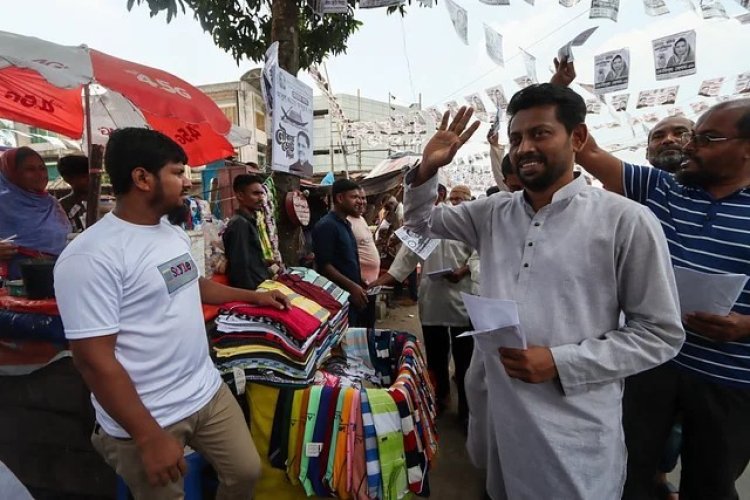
(284, 14)
(284, 20)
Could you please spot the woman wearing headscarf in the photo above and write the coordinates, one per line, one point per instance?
(29, 215)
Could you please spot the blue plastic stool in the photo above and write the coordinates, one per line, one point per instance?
(193, 481)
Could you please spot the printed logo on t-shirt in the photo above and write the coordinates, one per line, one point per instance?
(178, 272)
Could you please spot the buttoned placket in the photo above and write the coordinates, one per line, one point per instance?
(533, 237)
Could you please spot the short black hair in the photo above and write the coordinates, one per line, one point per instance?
(506, 167)
(243, 180)
(303, 135)
(73, 166)
(442, 188)
(570, 109)
(130, 148)
(681, 39)
(492, 190)
(343, 186)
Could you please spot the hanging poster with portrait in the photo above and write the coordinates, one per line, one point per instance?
(674, 55)
(291, 102)
(611, 71)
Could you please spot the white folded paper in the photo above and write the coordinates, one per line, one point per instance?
(439, 274)
(495, 321)
(566, 51)
(709, 293)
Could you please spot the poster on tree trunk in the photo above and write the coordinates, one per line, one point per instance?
(291, 105)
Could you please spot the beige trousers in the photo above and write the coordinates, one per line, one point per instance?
(218, 431)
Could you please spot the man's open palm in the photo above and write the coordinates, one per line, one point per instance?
(443, 146)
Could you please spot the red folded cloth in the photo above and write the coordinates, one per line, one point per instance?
(300, 324)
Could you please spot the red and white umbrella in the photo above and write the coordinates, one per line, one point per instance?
(41, 85)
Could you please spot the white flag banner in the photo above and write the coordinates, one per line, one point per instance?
(657, 97)
(494, 44)
(496, 122)
(374, 4)
(566, 51)
(460, 19)
(587, 87)
(497, 96)
(676, 111)
(649, 118)
(699, 107)
(529, 62)
(620, 102)
(452, 107)
(742, 86)
(435, 113)
(713, 9)
(523, 81)
(475, 101)
(611, 71)
(604, 9)
(674, 55)
(593, 106)
(655, 7)
(333, 7)
(711, 88)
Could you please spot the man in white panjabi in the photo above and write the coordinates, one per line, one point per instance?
(546, 422)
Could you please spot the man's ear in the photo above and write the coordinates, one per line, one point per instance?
(579, 137)
(142, 179)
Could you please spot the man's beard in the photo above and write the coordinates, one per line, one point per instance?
(177, 215)
(180, 214)
(696, 177)
(670, 160)
(545, 179)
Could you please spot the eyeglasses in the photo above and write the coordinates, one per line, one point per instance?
(701, 140)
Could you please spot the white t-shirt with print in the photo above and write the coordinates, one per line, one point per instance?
(141, 283)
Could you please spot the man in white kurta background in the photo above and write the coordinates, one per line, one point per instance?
(549, 418)
(442, 312)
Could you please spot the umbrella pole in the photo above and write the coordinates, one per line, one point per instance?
(95, 154)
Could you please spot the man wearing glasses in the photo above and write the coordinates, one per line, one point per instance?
(704, 209)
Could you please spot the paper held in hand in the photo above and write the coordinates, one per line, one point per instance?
(495, 321)
(439, 274)
(420, 245)
(566, 51)
(709, 293)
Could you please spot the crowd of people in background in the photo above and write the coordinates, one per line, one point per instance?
(616, 383)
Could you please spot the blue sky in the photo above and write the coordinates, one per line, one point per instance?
(417, 54)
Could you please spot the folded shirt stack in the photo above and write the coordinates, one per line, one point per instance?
(281, 348)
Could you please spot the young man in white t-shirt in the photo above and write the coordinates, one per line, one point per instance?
(130, 298)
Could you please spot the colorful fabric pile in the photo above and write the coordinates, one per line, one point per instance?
(281, 348)
(351, 437)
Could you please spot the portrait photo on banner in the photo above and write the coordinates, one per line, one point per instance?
(612, 71)
(674, 55)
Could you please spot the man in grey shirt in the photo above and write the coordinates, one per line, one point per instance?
(547, 421)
